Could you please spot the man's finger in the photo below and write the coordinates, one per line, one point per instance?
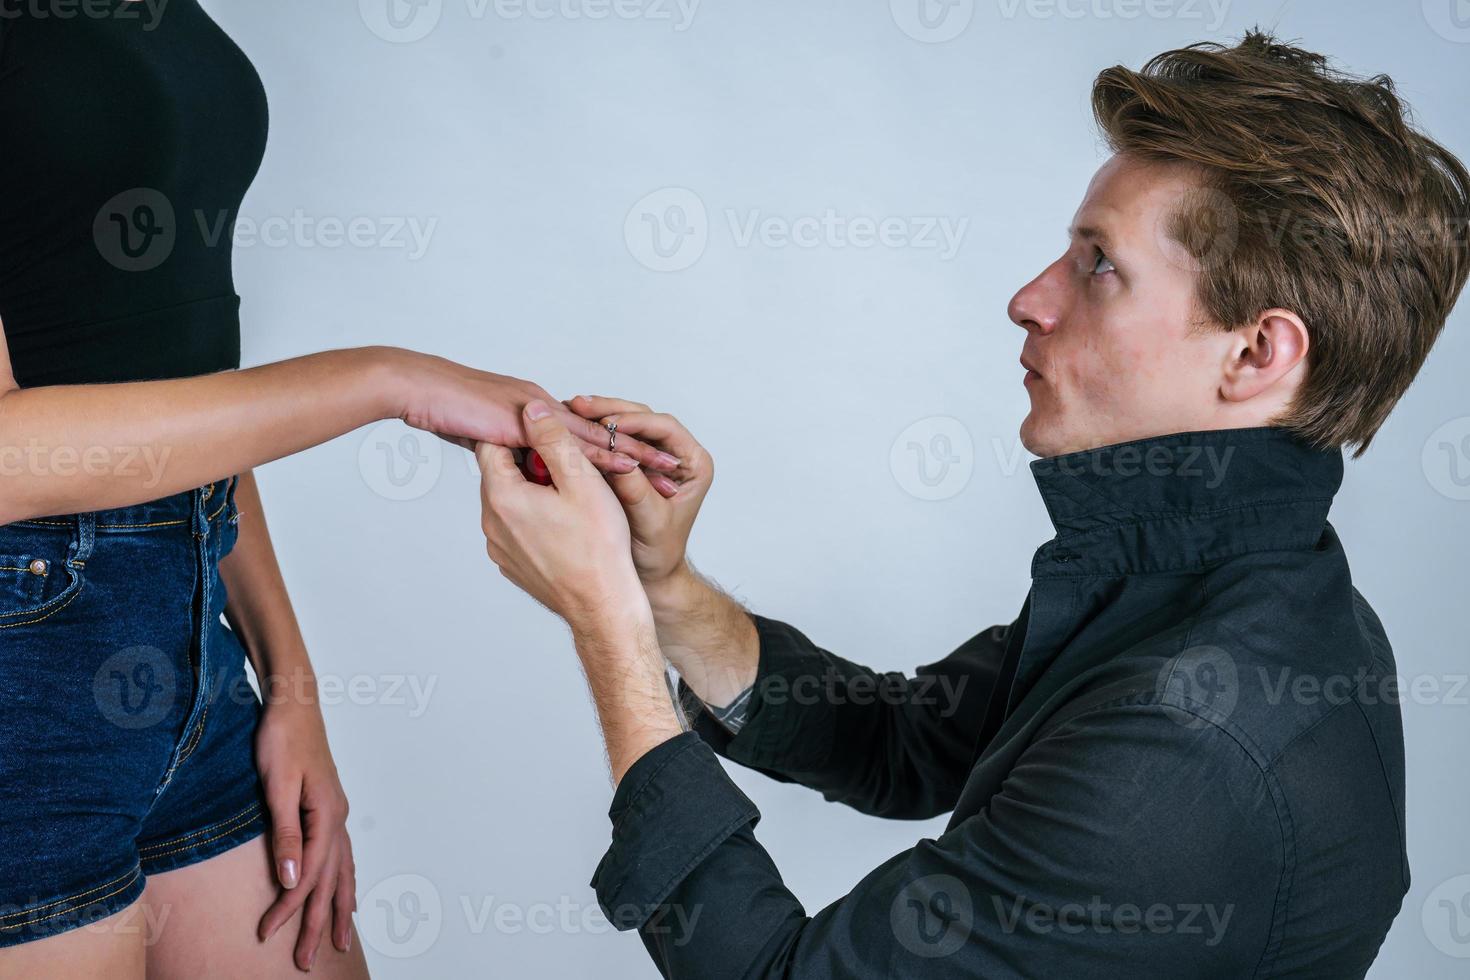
(635, 492)
(559, 449)
(498, 467)
(596, 406)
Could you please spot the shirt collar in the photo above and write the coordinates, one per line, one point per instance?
(1168, 500)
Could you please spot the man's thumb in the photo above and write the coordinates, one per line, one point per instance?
(557, 447)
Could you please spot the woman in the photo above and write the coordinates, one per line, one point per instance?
(138, 772)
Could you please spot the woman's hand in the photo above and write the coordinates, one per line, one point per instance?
(468, 406)
(567, 545)
(659, 522)
(308, 810)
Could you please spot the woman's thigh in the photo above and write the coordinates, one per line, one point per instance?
(112, 947)
(207, 914)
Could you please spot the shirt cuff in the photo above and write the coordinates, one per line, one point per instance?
(672, 808)
(788, 722)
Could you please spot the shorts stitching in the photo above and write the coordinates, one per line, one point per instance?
(224, 833)
(194, 738)
(6, 626)
(221, 510)
(154, 524)
(126, 880)
(48, 523)
(237, 818)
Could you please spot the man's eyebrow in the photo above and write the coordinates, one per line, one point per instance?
(1092, 234)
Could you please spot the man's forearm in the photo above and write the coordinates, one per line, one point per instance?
(706, 635)
(625, 671)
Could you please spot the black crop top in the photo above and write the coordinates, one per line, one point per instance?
(129, 132)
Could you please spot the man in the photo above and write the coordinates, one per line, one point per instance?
(1139, 784)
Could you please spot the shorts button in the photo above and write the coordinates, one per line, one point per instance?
(38, 567)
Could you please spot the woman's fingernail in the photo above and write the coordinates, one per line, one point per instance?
(667, 460)
(348, 945)
(537, 410)
(624, 464)
(288, 873)
(668, 486)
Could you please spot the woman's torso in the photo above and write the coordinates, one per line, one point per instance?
(129, 133)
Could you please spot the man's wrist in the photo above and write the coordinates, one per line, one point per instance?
(673, 594)
(615, 624)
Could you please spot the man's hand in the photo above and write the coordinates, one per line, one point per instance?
(568, 544)
(660, 511)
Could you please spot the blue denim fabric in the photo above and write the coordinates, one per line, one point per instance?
(126, 721)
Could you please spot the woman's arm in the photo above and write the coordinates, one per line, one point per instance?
(73, 448)
(258, 609)
(308, 808)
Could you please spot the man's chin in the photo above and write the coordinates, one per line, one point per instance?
(1035, 437)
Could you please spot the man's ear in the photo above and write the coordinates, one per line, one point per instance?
(1263, 354)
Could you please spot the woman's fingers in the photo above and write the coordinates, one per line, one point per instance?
(344, 903)
(283, 797)
(318, 912)
(598, 439)
(664, 430)
(319, 848)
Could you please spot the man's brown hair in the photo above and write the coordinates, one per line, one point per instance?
(1319, 197)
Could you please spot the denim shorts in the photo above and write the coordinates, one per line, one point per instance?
(127, 722)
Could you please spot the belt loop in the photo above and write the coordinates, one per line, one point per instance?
(86, 538)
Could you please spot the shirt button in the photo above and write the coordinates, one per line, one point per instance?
(38, 567)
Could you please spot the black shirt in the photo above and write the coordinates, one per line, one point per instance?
(1183, 758)
(129, 133)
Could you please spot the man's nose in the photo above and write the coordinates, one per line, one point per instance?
(1037, 305)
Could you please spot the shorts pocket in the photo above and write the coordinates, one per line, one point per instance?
(35, 579)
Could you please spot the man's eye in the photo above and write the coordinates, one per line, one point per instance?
(1102, 264)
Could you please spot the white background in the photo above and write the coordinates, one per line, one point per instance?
(525, 143)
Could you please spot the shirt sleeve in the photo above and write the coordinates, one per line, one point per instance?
(883, 743)
(1121, 822)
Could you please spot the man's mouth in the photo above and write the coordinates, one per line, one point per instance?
(1031, 373)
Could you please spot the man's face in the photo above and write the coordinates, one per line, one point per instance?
(1111, 327)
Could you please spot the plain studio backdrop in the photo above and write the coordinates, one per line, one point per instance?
(796, 227)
